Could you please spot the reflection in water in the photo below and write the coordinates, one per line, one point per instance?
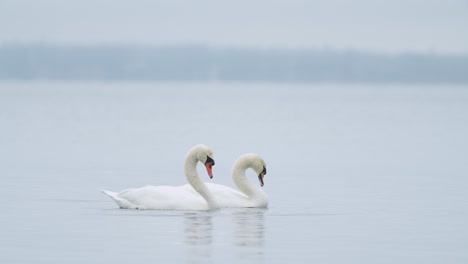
(249, 234)
(198, 236)
(243, 236)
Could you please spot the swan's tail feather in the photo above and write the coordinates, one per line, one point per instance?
(122, 203)
(109, 193)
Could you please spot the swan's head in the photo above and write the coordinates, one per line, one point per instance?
(256, 162)
(205, 156)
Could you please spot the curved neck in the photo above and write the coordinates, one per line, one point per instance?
(241, 181)
(190, 169)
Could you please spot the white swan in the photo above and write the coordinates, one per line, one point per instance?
(250, 195)
(170, 197)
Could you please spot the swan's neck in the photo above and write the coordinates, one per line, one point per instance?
(241, 181)
(190, 169)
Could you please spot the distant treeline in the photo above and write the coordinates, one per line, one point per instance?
(200, 63)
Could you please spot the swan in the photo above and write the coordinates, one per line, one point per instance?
(171, 197)
(249, 195)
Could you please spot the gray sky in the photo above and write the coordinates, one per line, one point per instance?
(377, 25)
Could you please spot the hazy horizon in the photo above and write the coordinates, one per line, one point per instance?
(199, 63)
(376, 26)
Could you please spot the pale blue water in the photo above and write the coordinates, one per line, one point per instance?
(356, 174)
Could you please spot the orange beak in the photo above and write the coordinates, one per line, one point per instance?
(260, 178)
(209, 166)
(261, 175)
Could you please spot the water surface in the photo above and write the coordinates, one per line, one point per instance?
(356, 174)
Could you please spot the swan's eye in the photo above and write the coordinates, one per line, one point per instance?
(208, 159)
(264, 170)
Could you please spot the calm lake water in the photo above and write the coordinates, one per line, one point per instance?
(356, 174)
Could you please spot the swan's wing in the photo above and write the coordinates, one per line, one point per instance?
(224, 191)
(224, 196)
(217, 190)
(121, 202)
(158, 197)
(228, 197)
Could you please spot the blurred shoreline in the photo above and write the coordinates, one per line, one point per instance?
(198, 63)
